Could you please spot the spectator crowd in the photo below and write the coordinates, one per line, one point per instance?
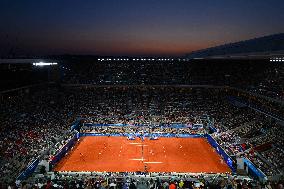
(37, 122)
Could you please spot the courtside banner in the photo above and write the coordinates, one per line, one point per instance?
(61, 153)
(220, 151)
(145, 135)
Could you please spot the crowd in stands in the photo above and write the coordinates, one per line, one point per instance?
(35, 124)
(272, 83)
(29, 127)
(270, 136)
(129, 181)
(260, 77)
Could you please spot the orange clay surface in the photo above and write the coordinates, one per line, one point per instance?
(117, 154)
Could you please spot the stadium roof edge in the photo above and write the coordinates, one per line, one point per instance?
(255, 55)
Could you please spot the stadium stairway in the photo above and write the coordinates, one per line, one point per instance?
(241, 126)
(241, 172)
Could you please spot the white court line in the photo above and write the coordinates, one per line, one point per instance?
(137, 159)
(141, 145)
(149, 162)
(135, 143)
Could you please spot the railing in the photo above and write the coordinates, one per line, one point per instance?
(253, 170)
(29, 170)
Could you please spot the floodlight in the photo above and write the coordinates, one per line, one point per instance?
(44, 63)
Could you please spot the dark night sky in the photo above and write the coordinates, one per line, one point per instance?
(132, 27)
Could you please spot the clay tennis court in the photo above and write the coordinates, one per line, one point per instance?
(117, 154)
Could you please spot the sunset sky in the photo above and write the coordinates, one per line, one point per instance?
(132, 27)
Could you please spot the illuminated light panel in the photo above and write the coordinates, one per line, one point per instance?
(44, 63)
(276, 59)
